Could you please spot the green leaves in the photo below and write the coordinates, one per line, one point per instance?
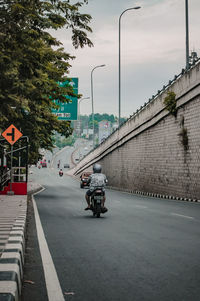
(32, 62)
(170, 102)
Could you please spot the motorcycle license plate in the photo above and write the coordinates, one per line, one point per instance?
(98, 197)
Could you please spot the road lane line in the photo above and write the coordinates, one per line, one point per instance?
(140, 206)
(54, 290)
(185, 216)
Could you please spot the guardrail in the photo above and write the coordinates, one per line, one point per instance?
(5, 177)
(19, 174)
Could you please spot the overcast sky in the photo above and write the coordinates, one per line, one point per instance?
(152, 51)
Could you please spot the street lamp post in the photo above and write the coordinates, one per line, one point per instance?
(93, 99)
(79, 117)
(137, 7)
(187, 34)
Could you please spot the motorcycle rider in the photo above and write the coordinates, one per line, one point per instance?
(96, 180)
(60, 172)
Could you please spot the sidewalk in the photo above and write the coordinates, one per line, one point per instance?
(13, 210)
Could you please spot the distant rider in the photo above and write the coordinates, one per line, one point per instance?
(60, 172)
(96, 180)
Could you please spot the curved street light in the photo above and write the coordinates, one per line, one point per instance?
(79, 116)
(92, 98)
(136, 7)
(80, 103)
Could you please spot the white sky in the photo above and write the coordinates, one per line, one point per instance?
(152, 51)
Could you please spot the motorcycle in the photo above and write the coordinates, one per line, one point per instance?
(97, 203)
(60, 173)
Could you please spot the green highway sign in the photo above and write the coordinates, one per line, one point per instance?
(68, 111)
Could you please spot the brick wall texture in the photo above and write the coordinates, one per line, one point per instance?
(150, 152)
(156, 160)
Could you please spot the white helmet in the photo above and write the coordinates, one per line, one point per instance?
(97, 168)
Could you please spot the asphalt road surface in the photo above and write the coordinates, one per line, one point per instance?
(141, 249)
(63, 156)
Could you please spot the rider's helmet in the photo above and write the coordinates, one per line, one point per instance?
(97, 168)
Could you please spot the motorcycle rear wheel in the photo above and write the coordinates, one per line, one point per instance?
(98, 212)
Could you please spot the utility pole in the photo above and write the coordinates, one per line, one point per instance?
(187, 35)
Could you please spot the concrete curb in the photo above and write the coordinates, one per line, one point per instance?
(155, 195)
(12, 256)
(12, 245)
(33, 188)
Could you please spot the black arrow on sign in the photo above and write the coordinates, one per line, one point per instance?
(12, 134)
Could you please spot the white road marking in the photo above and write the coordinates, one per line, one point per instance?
(185, 216)
(54, 290)
(140, 206)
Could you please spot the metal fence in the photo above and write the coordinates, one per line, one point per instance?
(18, 170)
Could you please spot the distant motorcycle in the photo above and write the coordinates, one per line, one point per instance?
(60, 173)
(97, 203)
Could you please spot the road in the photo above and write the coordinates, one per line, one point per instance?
(141, 249)
(80, 149)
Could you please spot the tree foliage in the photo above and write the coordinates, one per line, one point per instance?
(61, 141)
(86, 121)
(170, 103)
(33, 62)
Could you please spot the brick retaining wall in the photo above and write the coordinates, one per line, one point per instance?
(155, 161)
(146, 153)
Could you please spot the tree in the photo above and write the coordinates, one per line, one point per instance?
(99, 117)
(32, 63)
(86, 121)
